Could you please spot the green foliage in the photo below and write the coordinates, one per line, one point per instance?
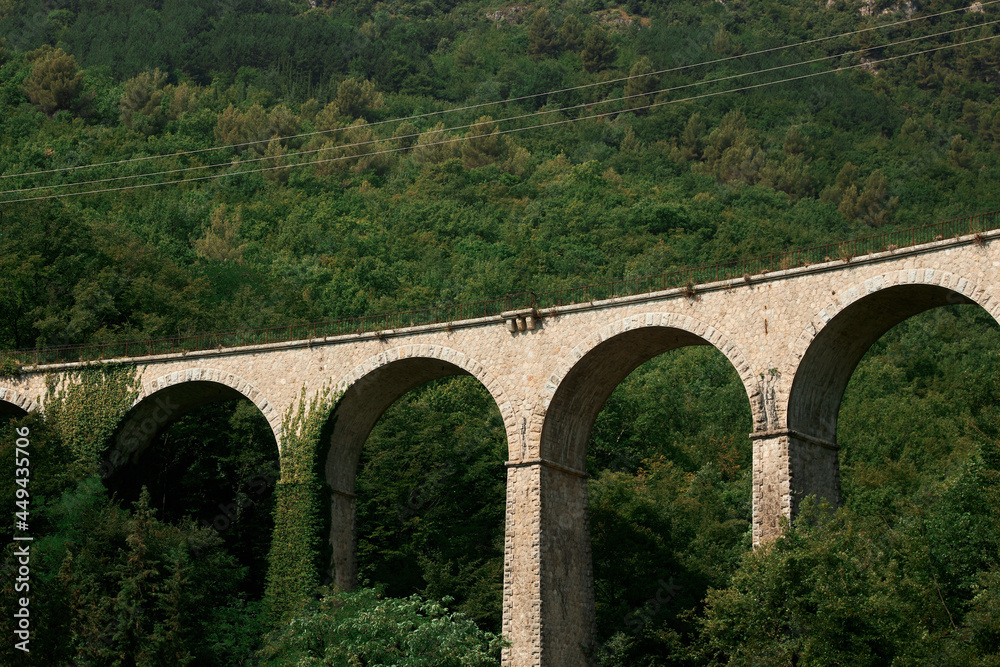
(140, 104)
(364, 628)
(148, 594)
(85, 409)
(598, 51)
(904, 571)
(218, 466)
(55, 82)
(669, 499)
(294, 561)
(419, 529)
(357, 98)
(483, 145)
(855, 590)
(640, 83)
(111, 585)
(683, 183)
(10, 368)
(143, 263)
(542, 37)
(571, 33)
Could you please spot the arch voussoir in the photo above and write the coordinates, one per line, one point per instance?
(962, 285)
(234, 382)
(446, 354)
(16, 398)
(652, 320)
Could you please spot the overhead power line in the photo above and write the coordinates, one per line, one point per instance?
(509, 131)
(500, 120)
(505, 101)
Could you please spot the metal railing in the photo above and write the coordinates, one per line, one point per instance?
(687, 277)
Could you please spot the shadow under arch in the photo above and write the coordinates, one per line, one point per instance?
(598, 365)
(15, 404)
(167, 398)
(831, 348)
(367, 392)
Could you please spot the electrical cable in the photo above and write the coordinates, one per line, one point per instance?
(505, 101)
(510, 131)
(500, 120)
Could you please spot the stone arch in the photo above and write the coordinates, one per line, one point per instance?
(367, 391)
(551, 475)
(824, 356)
(574, 394)
(166, 398)
(15, 404)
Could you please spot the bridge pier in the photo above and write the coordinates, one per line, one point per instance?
(787, 467)
(343, 540)
(548, 606)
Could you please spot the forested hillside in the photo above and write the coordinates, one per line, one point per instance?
(360, 157)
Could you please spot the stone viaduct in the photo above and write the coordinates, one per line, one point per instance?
(794, 336)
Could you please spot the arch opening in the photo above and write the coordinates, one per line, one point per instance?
(155, 412)
(203, 451)
(14, 404)
(364, 402)
(825, 369)
(633, 412)
(922, 399)
(415, 469)
(586, 387)
(8, 410)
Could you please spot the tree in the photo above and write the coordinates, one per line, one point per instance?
(278, 173)
(959, 153)
(221, 240)
(245, 129)
(870, 204)
(435, 146)
(598, 51)
(571, 33)
(364, 628)
(692, 139)
(253, 128)
(542, 38)
(55, 81)
(140, 102)
(733, 152)
(640, 83)
(357, 97)
(483, 144)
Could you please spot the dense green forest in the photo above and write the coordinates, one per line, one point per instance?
(363, 157)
